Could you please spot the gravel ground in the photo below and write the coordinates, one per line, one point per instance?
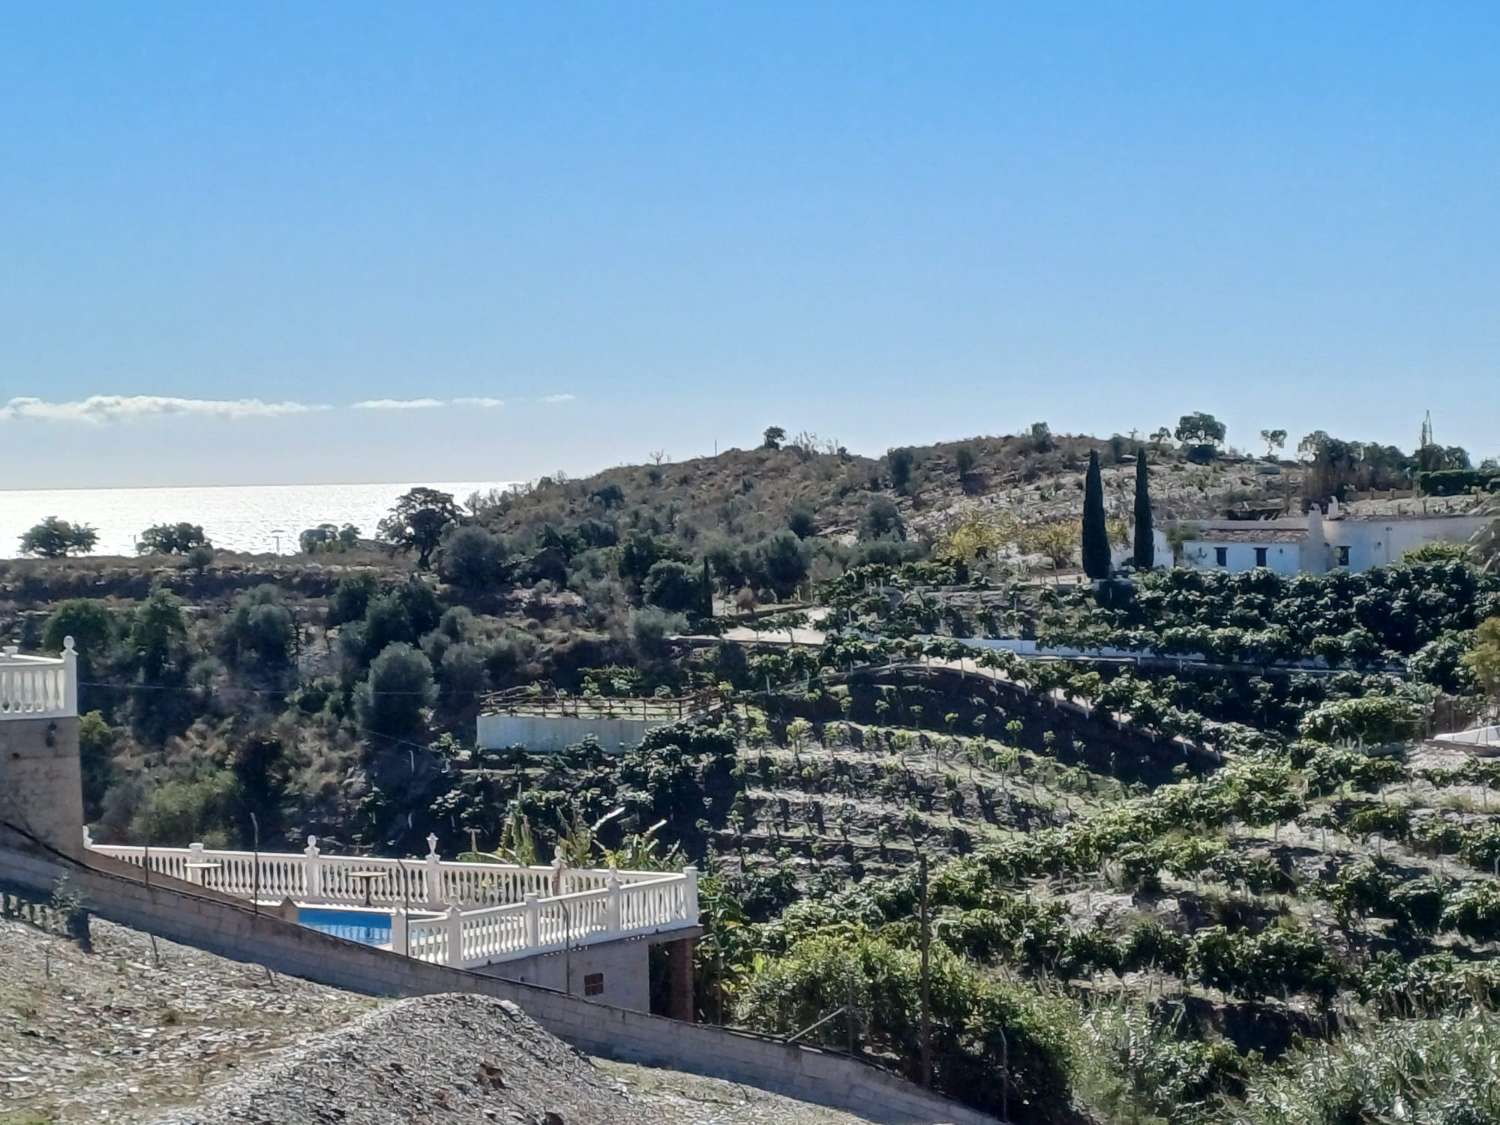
(112, 1035)
(186, 1038)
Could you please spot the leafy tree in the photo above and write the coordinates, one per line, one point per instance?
(55, 538)
(328, 537)
(1484, 658)
(1041, 437)
(882, 520)
(392, 701)
(351, 597)
(801, 521)
(706, 592)
(671, 586)
(1199, 428)
(1055, 540)
(1096, 554)
(418, 522)
(783, 559)
(1274, 439)
(260, 631)
(171, 539)
(900, 462)
(608, 496)
(1145, 541)
(88, 622)
(773, 437)
(472, 559)
(964, 460)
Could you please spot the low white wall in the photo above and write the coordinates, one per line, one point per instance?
(549, 734)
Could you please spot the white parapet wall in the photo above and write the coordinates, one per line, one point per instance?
(550, 734)
(466, 915)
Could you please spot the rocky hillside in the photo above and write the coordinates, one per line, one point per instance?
(138, 1030)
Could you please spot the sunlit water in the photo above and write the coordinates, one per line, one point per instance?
(238, 518)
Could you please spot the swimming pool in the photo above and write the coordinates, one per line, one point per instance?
(371, 927)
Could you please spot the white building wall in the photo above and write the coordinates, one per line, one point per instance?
(1283, 558)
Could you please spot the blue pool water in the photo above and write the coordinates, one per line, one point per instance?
(367, 926)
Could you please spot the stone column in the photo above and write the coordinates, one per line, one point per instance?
(680, 989)
(312, 871)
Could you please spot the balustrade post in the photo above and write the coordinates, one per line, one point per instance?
(399, 943)
(559, 876)
(612, 903)
(195, 855)
(70, 677)
(455, 920)
(432, 874)
(312, 871)
(533, 921)
(690, 894)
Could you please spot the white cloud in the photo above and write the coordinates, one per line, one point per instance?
(485, 403)
(398, 404)
(559, 398)
(123, 408)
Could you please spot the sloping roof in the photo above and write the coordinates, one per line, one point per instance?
(1258, 536)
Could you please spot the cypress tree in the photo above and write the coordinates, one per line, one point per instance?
(1145, 542)
(706, 592)
(1095, 533)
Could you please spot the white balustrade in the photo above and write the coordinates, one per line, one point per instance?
(39, 687)
(460, 914)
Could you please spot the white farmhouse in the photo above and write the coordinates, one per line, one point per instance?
(1314, 544)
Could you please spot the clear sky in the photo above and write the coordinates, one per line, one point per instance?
(583, 232)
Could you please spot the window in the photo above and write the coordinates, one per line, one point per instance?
(1341, 556)
(1260, 556)
(593, 984)
(1221, 556)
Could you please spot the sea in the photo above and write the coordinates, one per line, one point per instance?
(254, 519)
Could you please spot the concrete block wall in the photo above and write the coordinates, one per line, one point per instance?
(41, 788)
(232, 930)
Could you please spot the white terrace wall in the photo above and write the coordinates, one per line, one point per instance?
(232, 930)
(550, 734)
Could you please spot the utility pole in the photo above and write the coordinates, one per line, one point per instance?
(926, 1023)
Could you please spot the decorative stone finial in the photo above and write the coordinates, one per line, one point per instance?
(67, 644)
(312, 841)
(432, 843)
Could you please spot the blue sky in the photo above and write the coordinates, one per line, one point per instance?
(615, 228)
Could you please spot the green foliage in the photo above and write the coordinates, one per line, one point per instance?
(976, 1021)
(390, 703)
(1483, 659)
(1457, 482)
(1096, 553)
(1371, 720)
(1199, 429)
(328, 537)
(1444, 1071)
(418, 522)
(171, 539)
(55, 538)
(1144, 553)
(259, 632)
(671, 586)
(472, 558)
(899, 463)
(773, 437)
(90, 623)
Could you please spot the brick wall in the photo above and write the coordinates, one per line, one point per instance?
(232, 930)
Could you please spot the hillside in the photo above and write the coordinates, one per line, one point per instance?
(141, 1031)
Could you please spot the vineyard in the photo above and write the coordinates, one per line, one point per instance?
(1149, 896)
